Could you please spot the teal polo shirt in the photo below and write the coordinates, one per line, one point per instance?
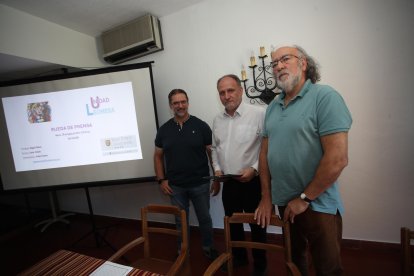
(295, 150)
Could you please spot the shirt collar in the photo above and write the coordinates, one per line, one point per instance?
(188, 118)
(301, 93)
(239, 111)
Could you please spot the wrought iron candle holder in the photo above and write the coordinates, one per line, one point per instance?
(264, 87)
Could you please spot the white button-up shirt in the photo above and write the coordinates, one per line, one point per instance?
(237, 139)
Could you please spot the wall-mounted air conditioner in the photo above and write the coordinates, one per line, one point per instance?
(134, 39)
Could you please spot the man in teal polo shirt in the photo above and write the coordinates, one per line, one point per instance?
(303, 152)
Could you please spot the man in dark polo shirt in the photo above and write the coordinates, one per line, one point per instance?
(184, 143)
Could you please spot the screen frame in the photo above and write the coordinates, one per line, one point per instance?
(98, 71)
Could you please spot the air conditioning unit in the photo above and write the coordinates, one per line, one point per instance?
(134, 39)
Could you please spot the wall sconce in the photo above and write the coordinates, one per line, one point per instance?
(264, 84)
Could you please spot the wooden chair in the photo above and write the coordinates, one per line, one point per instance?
(407, 264)
(179, 266)
(226, 257)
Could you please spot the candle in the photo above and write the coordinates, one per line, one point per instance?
(262, 51)
(252, 61)
(243, 74)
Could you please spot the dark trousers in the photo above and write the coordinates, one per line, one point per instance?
(322, 232)
(239, 197)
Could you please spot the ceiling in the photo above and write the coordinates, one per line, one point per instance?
(90, 17)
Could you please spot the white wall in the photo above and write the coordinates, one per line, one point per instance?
(365, 50)
(31, 37)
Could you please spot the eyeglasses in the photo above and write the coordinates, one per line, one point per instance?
(284, 60)
(179, 103)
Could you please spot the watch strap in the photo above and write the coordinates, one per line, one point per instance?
(161, 180)
(305, 198)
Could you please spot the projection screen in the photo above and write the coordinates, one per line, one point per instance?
(89, 128)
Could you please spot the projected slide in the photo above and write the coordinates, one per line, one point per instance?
(76, 127)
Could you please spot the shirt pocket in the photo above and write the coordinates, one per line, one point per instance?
(245, 133)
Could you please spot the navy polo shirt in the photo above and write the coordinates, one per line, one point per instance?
(184, 149)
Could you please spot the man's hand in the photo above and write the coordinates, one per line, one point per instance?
(295, 207)
(247, 174)
(263, 212)
(215, 188)
(165, 187)
(218, 173)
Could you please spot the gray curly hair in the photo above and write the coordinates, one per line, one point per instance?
(312, 70)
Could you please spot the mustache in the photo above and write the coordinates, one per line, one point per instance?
(278, 74)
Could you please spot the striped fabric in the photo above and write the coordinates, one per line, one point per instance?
(68, 263)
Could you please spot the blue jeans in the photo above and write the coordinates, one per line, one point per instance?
(200, 197)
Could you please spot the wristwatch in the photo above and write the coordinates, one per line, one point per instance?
(161, 180)
(305, 198)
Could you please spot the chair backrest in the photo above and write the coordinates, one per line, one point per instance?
(163, 209)
(407, 263)
(180, 266)
(274, 221)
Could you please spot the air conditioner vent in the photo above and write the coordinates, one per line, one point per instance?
(136, 38)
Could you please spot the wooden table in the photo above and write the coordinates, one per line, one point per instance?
(64, 262)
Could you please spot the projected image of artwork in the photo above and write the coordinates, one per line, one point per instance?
(39, 112)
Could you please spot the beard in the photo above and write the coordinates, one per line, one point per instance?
(291, 80)
(232, 106)
(180, 112)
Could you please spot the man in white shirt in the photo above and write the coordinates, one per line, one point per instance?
(236, 144)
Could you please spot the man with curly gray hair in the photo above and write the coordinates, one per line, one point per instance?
(303, 152)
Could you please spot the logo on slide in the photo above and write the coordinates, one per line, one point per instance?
(108, 142)
(96, 106)
(39, 112)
